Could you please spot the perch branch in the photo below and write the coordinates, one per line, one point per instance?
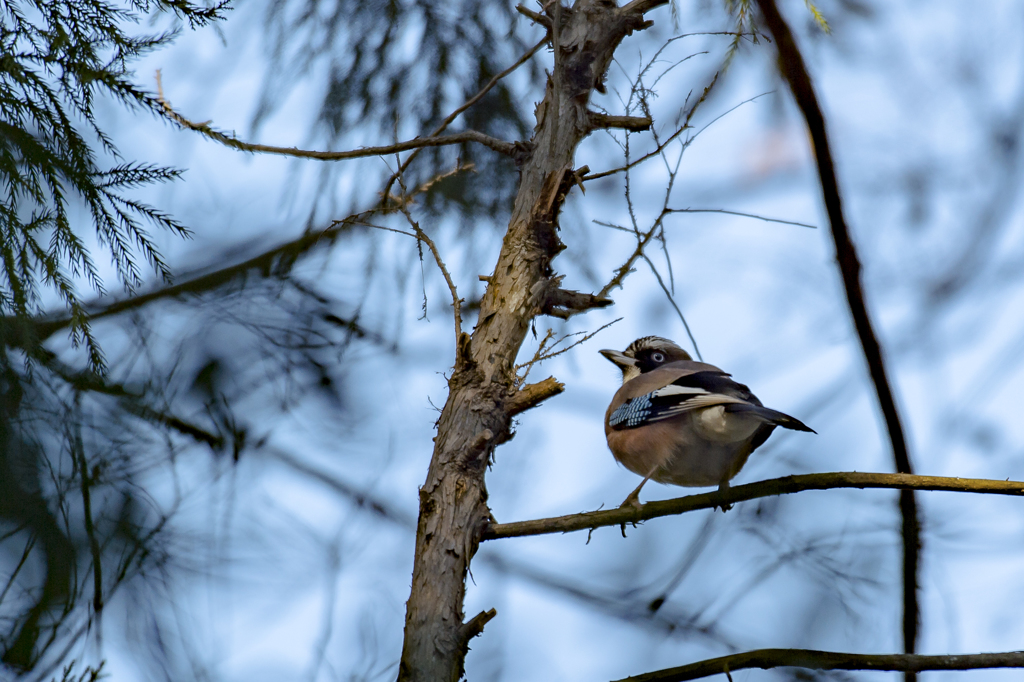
(776, 486)
(791, 64)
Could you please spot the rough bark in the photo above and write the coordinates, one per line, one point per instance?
(482, 396)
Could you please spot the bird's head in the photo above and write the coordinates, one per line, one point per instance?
(645, 354)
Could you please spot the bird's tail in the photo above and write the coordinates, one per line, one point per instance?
(770, 415)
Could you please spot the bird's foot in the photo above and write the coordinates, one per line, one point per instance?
(723, 488)
(632, 500)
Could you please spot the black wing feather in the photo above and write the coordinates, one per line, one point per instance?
(652, 407)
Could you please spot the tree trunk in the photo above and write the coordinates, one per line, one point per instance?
(482, 394)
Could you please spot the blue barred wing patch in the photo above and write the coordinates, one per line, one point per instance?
(631, 413)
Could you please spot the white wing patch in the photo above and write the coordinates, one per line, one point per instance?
(673, 389)
(695, 403)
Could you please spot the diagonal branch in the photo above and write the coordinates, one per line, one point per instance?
(751, 491)
(830, 660)
(793, 69)
(277, 259)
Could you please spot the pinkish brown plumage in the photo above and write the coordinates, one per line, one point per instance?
(683, 422)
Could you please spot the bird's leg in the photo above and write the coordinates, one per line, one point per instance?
(633, 499)
(723, 488)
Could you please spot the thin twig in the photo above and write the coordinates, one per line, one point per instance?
(627, 267)
(742, 215)
(829, 660)
(672, 300)
(456, 301)
(751, 491)
(204, 128)
(541, 355)
(791, 64)
(679, 131)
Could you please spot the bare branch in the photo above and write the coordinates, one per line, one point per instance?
(830, 660)
(793, 69)
(643, 6)
(78, 450)
(635, 124)
(361, 498)
(532, 395)
(475, 625)
(501, 146)
(563, 303)
(723, 498)
(535, 17)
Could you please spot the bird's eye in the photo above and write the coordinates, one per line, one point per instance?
(657, 357)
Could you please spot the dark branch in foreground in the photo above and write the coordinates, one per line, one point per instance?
(776, 486)
(276, 260)
(793, 69)
(830, 660)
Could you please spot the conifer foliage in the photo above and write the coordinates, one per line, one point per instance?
(56, 58)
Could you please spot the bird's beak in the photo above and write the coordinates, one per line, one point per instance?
(618, 358)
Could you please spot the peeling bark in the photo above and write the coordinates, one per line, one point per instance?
(482, 397)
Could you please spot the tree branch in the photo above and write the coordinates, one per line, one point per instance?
(535, 17)
(723, 498)
(635, 124)
(643, 6)
(507, 148)
(793, 69)
(830, 660)
(564, 303)
(532, 395)
(475, 625)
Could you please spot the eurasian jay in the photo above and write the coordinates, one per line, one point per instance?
(683, 422)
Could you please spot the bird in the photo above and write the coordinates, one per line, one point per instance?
(683, 422)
